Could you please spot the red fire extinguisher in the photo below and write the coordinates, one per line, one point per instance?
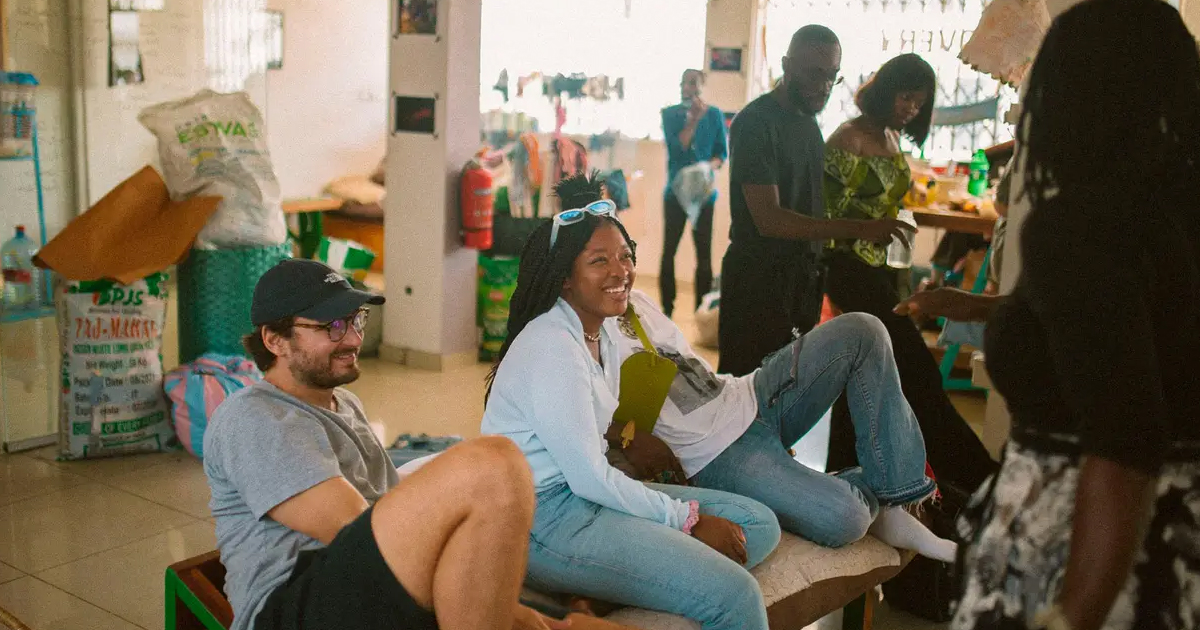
(476, 196)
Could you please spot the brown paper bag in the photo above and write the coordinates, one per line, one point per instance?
(134, 231)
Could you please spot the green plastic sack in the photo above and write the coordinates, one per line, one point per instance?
(350, 258)
(497, 282)
(216, 288)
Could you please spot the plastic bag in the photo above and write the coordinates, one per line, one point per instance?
(708, 319)
(215, 144)
(693, 185)
(112, 394)
(196, 389)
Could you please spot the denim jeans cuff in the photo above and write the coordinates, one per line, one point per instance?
(907, 495)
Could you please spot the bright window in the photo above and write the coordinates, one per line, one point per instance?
(648, 43)
(873, 31)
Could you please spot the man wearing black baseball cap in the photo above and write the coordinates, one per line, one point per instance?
(315, 527)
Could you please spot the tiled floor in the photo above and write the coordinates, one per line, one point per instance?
(83, 545)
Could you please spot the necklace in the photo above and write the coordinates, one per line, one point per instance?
(592, 338)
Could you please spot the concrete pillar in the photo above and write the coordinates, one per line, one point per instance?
(429, 320)
(732, 24)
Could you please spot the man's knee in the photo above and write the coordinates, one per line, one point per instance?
(867, 328)
(497, 467)
(487, 472)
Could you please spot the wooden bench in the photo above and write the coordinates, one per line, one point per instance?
(801, 582)
(195, 595)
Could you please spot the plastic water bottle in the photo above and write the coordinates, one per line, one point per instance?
(20, 276)
(978, 182)
(899, 252)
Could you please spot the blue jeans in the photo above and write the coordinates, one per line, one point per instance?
(795, 387)
(579, 547)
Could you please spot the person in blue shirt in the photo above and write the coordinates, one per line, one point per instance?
(695, 132)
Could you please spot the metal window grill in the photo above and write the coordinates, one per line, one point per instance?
(869, 32)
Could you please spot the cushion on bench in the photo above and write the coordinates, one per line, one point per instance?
(801, 583)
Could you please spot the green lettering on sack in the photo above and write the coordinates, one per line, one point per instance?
(131, 426)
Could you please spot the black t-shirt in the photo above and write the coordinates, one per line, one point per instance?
(771, 145)
(1100, 339)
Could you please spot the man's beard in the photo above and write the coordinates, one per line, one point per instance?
(317, 372)
(796, 98)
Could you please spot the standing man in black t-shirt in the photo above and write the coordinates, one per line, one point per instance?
(770, 278)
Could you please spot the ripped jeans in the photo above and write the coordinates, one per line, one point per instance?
(795, 387)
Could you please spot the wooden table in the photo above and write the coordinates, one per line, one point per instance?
(953, 220)
(308, 214)
(314, 204)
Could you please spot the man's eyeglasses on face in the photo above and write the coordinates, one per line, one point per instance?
(338, 328)
(816, 75)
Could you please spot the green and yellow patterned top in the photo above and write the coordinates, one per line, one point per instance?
(860, 187)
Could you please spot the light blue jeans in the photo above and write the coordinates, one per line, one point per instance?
(795, 387)
(579, 547)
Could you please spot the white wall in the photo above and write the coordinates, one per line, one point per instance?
(172, 45)
(327, 106)
(39, 43)
(325, 110)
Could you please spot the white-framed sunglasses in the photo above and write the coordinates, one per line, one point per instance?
(602, 208)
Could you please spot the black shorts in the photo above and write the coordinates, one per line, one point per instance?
(345, 585)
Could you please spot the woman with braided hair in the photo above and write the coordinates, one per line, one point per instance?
(1093, 521)
(598, 533)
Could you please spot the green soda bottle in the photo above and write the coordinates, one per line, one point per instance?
(977, 185)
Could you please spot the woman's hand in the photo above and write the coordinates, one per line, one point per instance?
(653, 460)
(884, 230)
(723, 536)
(953, 304)
(940, 302)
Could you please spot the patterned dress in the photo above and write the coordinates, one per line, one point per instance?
(1016, 564)
(864, 187)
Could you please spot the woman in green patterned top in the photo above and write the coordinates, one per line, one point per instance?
(866, 176)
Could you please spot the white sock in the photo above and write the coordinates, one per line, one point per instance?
(898, 528)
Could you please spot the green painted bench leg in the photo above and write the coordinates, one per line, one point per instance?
(170, 601)
(183, 607)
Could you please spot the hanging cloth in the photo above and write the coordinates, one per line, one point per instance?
(1007, 39)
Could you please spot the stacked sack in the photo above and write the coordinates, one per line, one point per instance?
(215, 144)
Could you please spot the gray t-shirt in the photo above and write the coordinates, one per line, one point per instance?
(771, 145)
(264, 447)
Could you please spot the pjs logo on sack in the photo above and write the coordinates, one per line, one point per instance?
(118, 297)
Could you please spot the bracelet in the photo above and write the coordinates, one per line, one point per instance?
(693, 517)
(1053, 618)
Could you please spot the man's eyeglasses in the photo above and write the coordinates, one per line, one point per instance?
(338, 328)
(816, 75)
(602, 208)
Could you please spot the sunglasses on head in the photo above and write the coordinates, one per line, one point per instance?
(602, 208)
